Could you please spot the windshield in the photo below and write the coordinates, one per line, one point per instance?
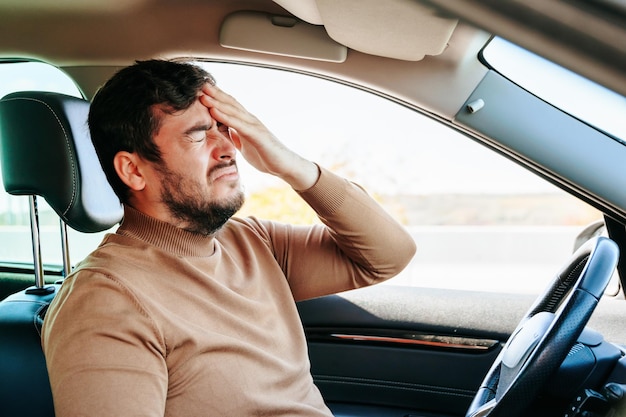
(564, 89)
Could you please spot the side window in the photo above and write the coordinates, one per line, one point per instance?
(480, 221)
(15, 240)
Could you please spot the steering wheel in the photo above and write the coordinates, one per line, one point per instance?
(547, 332)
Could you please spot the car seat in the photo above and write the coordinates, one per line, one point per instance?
(45, 151)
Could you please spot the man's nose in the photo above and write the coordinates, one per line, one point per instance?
(224, 149)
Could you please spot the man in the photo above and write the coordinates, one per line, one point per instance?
(186, 311)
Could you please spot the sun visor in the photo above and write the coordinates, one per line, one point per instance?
(279, 35)
(400, 29)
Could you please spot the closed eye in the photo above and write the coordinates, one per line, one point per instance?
(199, 133)
(196, 136)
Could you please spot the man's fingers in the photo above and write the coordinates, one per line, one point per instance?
(226, 104)
(234, 136)
(210, 89)
(217, 94)
(244, 126)
(206, 100)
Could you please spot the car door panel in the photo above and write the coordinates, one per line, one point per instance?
(407, 351)
(418, 350)
(425, 380)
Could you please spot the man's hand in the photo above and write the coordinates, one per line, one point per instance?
(256, 143)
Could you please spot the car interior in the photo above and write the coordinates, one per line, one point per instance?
(386, 350)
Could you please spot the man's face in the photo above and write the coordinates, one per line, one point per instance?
(198, 175)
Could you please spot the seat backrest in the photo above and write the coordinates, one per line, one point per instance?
(45, 151)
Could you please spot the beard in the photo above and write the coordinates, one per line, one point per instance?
(188, 201)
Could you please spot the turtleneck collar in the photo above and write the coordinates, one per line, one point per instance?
(164, 235)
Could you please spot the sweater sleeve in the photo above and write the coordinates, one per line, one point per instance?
(104, 354)
(359, 244)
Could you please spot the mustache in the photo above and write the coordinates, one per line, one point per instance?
(222, 165)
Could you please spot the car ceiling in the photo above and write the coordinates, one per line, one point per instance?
(80, 36)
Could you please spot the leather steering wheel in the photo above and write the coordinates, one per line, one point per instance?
(547, 332)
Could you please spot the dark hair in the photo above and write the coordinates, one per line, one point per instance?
(122, 115)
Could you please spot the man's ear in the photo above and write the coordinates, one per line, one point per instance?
(127, 166)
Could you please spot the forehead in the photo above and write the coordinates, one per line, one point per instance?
(171, 120)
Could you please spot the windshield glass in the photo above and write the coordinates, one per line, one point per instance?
(570, 92)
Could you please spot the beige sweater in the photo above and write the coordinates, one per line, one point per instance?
(158, 321)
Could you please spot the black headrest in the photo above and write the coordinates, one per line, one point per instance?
(46, 150)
